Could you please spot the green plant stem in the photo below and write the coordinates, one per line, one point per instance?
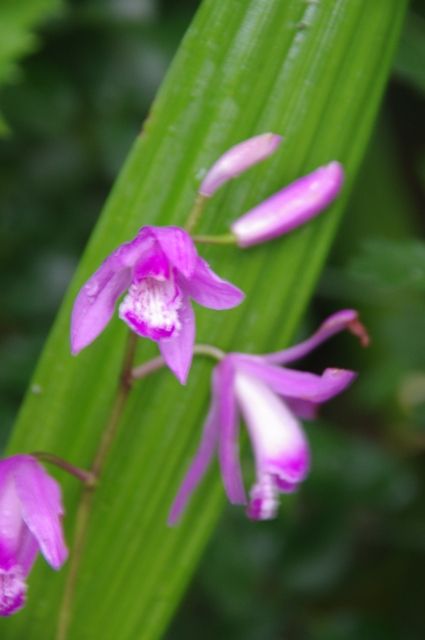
(195, 213)
(225, 238)
(84, 475)
(153, 365)
(86, 501)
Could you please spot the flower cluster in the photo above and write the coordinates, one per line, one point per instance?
(153, 280)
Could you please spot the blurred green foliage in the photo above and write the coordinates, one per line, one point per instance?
(345, 560)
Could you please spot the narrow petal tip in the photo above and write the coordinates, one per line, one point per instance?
(238, 159)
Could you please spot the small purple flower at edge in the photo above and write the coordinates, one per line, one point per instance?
(161, 271)
(30, 521)
(271, 399)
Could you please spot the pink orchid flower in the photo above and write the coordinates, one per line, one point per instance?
(271, 399)
(161, 271)
(30, 521)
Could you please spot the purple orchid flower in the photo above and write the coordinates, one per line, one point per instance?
(237, 160)
(162, 271)
(271, 399)
(30, 521)
(291, 207)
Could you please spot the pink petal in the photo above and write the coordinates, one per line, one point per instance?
(41, 505)
(95, 302)
(210, 291)
(199, 464)
(291, 207)
(279, 443)
(229, 430)
(12, 526)
(237, 160)
(347, 319)
(12, 591)
(298, 384)
(177, 246)
(178, 351)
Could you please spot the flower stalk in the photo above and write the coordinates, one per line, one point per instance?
(85, 505)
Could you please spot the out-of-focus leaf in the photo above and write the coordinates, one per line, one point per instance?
(410, 58)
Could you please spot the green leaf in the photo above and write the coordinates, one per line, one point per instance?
(17, 20)
(313, 71)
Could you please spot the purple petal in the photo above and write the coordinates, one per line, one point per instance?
(12, 526)
(229, 431)
(291, 207)
(337, 322)
(178, 247)
(279, 444)
(302, 408)
(42, 509)
(199, 465)
(95, 302)
(208, 290)
(178, 351)
(12, 591)
(298, 384)
(238, 159)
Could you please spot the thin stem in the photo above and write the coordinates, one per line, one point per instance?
(157, 363)
(86, 501)
(195, 213)
(87, 477)
(225, 238)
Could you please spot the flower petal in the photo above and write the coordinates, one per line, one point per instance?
(95, 302)
(280, 446)
(178, 247)
(337, 322)
(199, 464)
(210, 291)
(12, 526)
(178, 351)
(12, 591)
(237, 160)
(291, 207)
(42, 509)
(229, 429)
(298, 384)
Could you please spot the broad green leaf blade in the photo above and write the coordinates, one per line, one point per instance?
(312, 71)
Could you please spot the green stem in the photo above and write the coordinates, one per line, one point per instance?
(85, 476)
(225, 238)
(195, 213)
(86, 501)
(153, 365)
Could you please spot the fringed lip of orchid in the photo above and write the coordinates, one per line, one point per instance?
(290, 207)
(162, 272)
(30, 521)
(272, 399)
(238, 159)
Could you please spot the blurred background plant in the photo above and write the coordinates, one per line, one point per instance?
(345, 559)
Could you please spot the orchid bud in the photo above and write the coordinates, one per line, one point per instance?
(237, 160)
(291, 207)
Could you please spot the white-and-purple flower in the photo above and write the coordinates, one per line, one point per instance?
(271, 399)
(161, 271)
(30, 521)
